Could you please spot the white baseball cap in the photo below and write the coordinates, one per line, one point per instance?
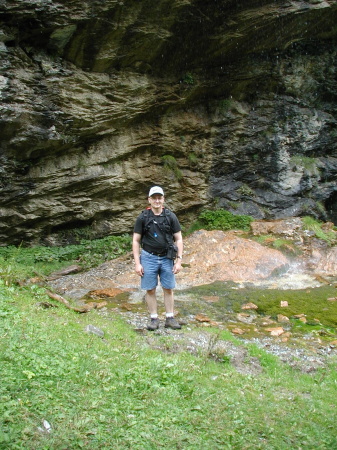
(156, 190)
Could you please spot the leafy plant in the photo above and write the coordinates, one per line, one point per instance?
(221, 219)
(189, 78)
(19, 262)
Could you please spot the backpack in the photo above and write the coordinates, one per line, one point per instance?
(148, 219)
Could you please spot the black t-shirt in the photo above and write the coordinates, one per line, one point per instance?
(154, 238)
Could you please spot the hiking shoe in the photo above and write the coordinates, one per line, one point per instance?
(171, 322)
(153, 325)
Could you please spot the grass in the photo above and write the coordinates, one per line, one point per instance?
(311, 224)
(117, 392)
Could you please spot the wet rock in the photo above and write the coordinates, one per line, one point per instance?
(285, 227)
(218, 256)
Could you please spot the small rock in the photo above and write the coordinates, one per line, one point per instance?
(237, 331)
(276, 331)
(202, 318)
(267, 321)
(249, 306)
(94, 330)
(95, 305)
(245, 318)
(126, 306)
(282, 319)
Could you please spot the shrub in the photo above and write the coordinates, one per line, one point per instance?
(221, 219)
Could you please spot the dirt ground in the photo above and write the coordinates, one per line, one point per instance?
(209, 257)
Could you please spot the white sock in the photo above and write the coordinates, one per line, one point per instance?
(169, 315)
(154, 316)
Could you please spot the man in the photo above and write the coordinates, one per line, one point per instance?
(156, 230)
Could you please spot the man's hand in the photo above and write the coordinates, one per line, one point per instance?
(177, 266)
(139, 270)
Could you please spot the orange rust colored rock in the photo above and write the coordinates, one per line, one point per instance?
(275, 331)
(110, 292)
(211, 298)
(202, 318)
(237, 331)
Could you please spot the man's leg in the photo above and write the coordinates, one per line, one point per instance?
(169, 308)
(168, 301)
(151, 301)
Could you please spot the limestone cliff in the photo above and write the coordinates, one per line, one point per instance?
(227, 103)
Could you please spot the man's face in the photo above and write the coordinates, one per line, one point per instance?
(156, 200)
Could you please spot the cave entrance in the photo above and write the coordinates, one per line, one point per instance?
(331, 207)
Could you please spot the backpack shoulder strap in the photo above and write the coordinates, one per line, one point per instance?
(147, 219)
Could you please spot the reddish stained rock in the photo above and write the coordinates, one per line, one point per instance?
(222, 256)
(101, 293)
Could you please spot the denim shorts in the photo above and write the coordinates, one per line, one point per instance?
(154, 267)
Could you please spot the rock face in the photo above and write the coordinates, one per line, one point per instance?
(227, 103)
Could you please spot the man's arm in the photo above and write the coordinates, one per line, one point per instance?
(178, 240)
(136, 253)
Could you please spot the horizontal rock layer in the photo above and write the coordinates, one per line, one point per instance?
(229, 104)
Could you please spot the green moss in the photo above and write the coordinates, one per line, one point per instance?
(225, 105)
(171, 166)
(313, 303)
(246, 191)
(286, 246)
(192, 159)
(309, 164)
